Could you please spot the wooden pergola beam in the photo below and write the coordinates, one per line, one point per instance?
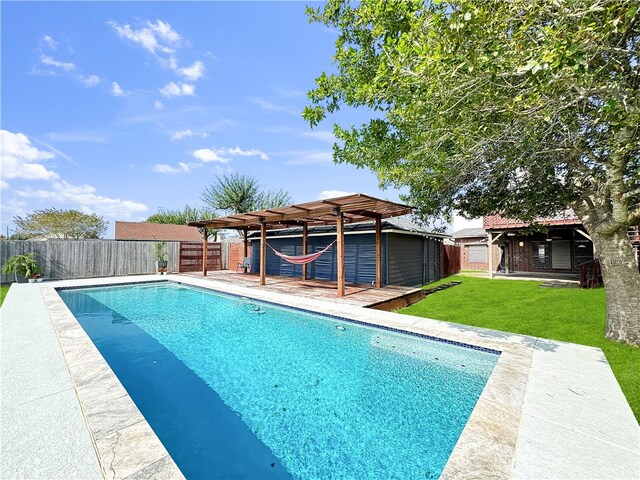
(378, 253)
(304, 249)
(263, 253)
(340, 245)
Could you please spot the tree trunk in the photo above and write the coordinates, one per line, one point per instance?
(622, 285)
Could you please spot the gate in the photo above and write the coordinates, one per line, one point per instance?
(190, 257)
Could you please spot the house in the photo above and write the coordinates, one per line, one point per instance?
(474, 251)
(156, 232)
(411, 255)
(560, 251)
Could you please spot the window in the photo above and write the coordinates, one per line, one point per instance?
(541, 254)
(477, 253)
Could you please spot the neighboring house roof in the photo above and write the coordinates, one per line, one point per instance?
(156, 231)
(470, 233)
(396, 223)
(566, 217)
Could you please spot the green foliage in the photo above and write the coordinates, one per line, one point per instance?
(4, 289)
(160, 249)
(237, 193)
(511, 107)
(565, 314)
(184, 216)
(24, 265)
(181, 217)
(59, 224)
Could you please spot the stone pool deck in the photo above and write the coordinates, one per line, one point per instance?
(549, 410)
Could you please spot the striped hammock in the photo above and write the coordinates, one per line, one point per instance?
(301, 259)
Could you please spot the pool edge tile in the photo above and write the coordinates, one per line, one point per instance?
(112, 439)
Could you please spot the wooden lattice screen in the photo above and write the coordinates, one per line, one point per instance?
(190, 259)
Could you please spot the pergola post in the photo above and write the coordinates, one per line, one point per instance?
(378, 252)
(340, 245)
(205, 236)
(246, 248)
(263, 252)
(304, 249)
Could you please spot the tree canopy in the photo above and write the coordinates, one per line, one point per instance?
(184, 216)
(181, 217)
(60, 224)
(238, 193)
(510, 107)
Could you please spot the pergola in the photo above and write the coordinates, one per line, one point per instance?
(340, 210)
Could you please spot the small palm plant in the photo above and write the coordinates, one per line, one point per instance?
(24, 265)
(161, 256)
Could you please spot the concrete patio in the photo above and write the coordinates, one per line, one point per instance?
(549, 410)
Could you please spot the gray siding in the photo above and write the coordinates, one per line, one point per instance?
(405, 261)
(359, 253)
(413, 260)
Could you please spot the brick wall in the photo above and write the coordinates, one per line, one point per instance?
(236, 254)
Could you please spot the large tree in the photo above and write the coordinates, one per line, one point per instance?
(60, 224)
(516, 107)
(184, 216)
(238, 193)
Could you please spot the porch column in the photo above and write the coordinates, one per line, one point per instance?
(304, 249)
(263, 252)
(506, 257)
(378, 252)
(205, 236)
(340, 245)
(490, 254)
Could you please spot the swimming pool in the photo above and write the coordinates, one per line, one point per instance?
(236, 388)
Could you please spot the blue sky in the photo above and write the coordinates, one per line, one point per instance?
(121, 108)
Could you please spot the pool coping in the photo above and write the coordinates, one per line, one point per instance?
(127, 447)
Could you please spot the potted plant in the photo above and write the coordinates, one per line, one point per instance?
(161, 256)
(24, 265)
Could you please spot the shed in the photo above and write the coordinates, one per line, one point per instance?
(411, 255)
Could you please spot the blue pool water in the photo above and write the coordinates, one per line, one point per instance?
(241, 389)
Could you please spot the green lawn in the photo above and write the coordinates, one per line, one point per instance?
(568, 314)
(4, 289)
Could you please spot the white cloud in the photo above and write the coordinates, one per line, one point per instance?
(51, 43)
(90, 80)
(207, 155)
(459, 222)
(165, 31)
(158, 105)
(188, 133)
(68, 67)
(52, 62)
(20, 159)
(193, 73)
(271, 107)
(154, 37)
(3, 184)
(237, 151)
(85, 198)
(326, 194)
(308, 157)
(168, 169)
(117, 91)
(179, 89)
(77, 136)
(322, 135)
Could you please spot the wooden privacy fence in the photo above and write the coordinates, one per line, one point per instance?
(452, 257)
(190, 257)
(63, 259)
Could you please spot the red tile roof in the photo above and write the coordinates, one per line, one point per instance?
(156, 231)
